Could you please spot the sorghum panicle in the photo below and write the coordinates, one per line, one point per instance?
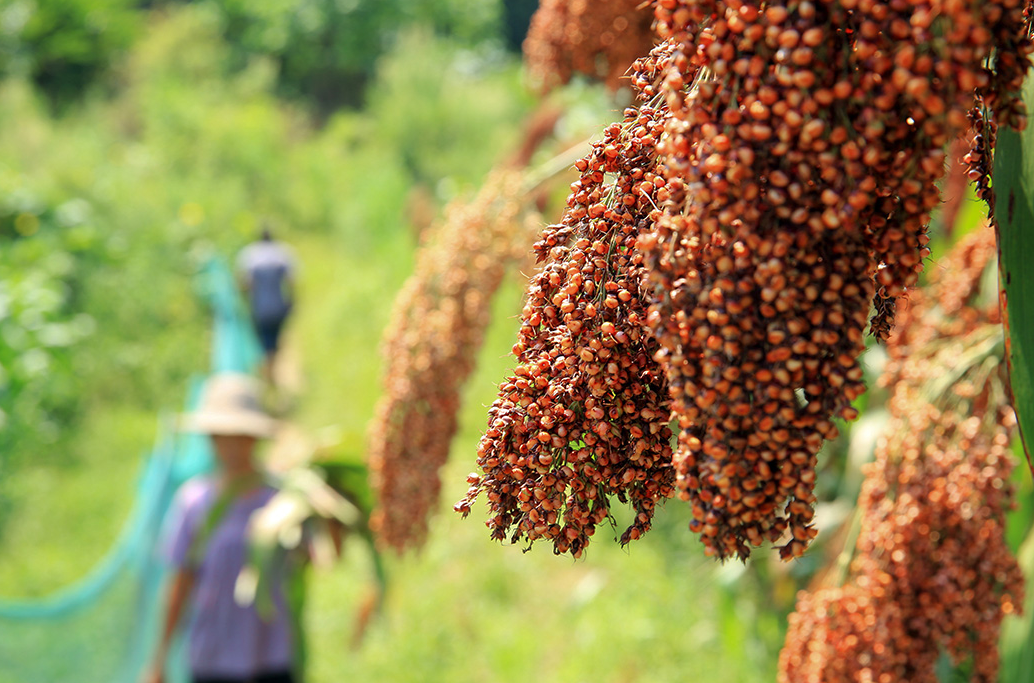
(931, 570)
(436, 328)
(801, 156)
(595, 38)
(584, 417)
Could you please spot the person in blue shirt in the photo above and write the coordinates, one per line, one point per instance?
(266, 271)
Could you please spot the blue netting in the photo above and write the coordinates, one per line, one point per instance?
(102, 629)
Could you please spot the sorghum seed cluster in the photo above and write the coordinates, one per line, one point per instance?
(430, 347)
(932, 571)
(584, 417)
(801, 159)
(1010, 65)
(762, 290)
(596, 38)
(979, 159)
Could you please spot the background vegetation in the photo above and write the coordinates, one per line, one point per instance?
(138, 137)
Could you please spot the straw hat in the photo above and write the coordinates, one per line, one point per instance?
(230, 406)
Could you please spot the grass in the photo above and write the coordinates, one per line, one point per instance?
(66, 512)
(344, 299)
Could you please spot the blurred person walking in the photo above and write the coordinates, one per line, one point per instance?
(266, 272)
(207, 547)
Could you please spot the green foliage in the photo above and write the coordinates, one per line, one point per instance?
(321, 51)
(1018, 630)
(517, 15)
(463, 110)
(64, 513)
(44, 249)
(326, 49)
(63, 44)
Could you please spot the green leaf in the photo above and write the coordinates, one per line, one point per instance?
(1013, 177)
(1017, 643)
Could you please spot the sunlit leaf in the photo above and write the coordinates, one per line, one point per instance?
(1018, 631)
(1013, 179)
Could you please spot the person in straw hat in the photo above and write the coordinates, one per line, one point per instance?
(228, 642)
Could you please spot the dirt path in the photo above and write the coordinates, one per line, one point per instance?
(291, 446)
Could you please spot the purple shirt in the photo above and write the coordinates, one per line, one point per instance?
(226, 640)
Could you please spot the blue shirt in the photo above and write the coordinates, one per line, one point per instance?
(266, 266)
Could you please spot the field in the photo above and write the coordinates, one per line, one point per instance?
(186, 127)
